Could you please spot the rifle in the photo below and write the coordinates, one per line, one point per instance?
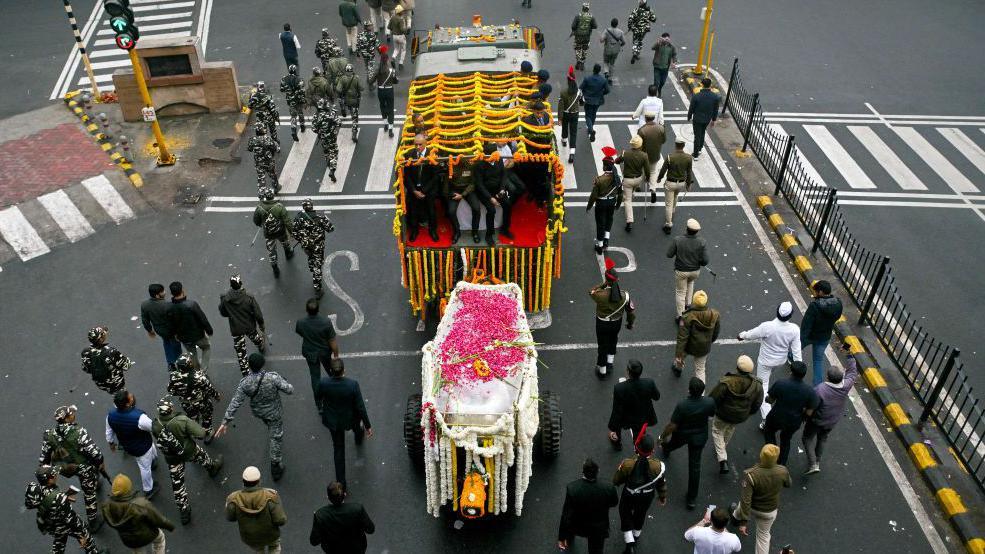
(255, 236)
(102, 471)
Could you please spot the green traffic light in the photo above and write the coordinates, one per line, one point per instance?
(119, 24)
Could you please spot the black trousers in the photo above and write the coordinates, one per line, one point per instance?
(694, 449)
(474, 204)
(338, 450)
(607, 333)
(421, 210)
(315, 363)
(569, 128)
(771, 428)
(385, 96)
(603, 219)
(507, 206)
(633, 509)
(596, 544)
(699, 135)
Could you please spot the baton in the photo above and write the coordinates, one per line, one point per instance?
(714, 276)
(102, 471)
(254, 241)
(646, 189)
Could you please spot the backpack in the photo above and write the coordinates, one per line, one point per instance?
(584, 26)
(99, 365)
(272, 225)
(639, 481)
(65, 453)
(167, 442)
(45, 512)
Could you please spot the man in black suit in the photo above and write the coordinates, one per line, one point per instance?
(493, 187)
(341, 528)
(632, 403)
(422, 183)
(586, 510)
(702, 113)
(340, 403)
(318, 344)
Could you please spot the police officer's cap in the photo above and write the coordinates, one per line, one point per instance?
(97, 334)
(45, 474)
(265, 193)
(679, 141)
(307, 205)
(62, 412)
(185, 361)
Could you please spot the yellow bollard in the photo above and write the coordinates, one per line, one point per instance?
(704, 37)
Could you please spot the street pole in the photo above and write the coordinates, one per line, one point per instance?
(163, 157)
(82, 49)
(704, 37)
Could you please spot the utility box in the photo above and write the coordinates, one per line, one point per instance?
(179, 81)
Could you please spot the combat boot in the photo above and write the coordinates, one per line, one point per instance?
(288, 253)
(319, 292)
(186, 517)
(276, 271)
(302, 127)
(294, 135)
(276, 471)
(95, 524)
(216, 466)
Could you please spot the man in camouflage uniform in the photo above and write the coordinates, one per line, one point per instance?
(55, 514)
(69, 448)
(263, 389)
(323, 48)
(245, 319)
(264, 149)
(271, 216)
(103, 362)
(350, 92)
(366, 45)
(581, 28)
(336, 68)
(327, 124)
(195, 390)
(318, 88)
(310, 228)
(639, 23)
(263, 105)
(175, 434)
(293, 88)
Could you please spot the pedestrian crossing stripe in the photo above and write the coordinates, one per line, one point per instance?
(66, 215)
(20, 235)
(840, 158)
(381, 168)
(932, 157)
(887, 158)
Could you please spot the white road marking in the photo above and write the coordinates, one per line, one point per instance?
(887, 158)
(630, 260)
(322, 207)
(378, 177)
(963, 143)
(19, 234)
(110, 41)
(603, 137)
(100, 79)
(358, 317)
(102, 190)
(61, 208)
(840, 158)
(125, 62)
(162, 16)
(286, 200)
(204, 20)
(157, 27)
(704, 172)
(950, 174)
(568, 179)
(161, 6)
(72, 62)
(346, 149)
(297, 161)
(805, 164)
(108, 53)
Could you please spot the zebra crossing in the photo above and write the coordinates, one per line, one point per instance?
(67, 215)
(154, 18)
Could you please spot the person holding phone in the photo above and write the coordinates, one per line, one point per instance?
(710, 535)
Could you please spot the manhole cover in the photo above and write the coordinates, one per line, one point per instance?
(191, 198)
(222, 143)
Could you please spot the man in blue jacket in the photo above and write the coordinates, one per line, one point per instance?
(129, 428)
(341, 405)
(593, 90)
(702, 113)
(291, 45)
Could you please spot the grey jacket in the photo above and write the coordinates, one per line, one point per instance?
(265, 402)
(689, 253)
(612, 41)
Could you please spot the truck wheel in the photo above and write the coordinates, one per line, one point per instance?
(547, 441)
(413, 432)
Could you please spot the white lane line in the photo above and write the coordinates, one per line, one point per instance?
(603, 137)
(686, 203)
(19, 234)
(110, 41)
(641, 194)
(840, 158)
(891, 203)
(346, 148)
(378, 177)
(162, 6)
(108, 53)
(887, 158)
(159, 17)
(288, 199)
(704, 171)
(72, 62)
(101, 78)
(125, 62)
(157, 27)
(924, 195)
(102, 190)
(805, 164)
(963, 143)
(320, 207)
(61, 208)
(297, 161)
(950, 174)
(204, 20)
(568, 179)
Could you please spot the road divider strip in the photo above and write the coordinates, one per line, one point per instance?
(102, 140)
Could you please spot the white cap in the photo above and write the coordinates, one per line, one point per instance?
(693, 225)
(251, 474)
(785, 309)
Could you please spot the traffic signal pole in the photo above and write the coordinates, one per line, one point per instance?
(164, 157)
(698, 69)
(82, 49)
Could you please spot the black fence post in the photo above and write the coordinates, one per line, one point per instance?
(731, 78)
(783, 165)
(752, 116)
(832, 193)
(862, 319)
(935, 394)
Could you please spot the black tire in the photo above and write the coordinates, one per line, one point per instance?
(547, 441)
(413, 432)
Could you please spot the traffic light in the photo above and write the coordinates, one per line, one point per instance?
(121, 21)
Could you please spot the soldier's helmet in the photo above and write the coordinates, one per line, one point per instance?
(260, 128)
(322, 104)
(324, 33)
(98, 334)
(45, 473)
(261, 86)
(307, 205)
(368, 24)
(165, 407)
(62, 412)
(292, 69)
(265, 193)
(585, 7)
(316, 71)
(336, 51)
(185, 362)
(348, 68)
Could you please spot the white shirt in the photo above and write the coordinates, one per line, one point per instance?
(144, 423)
(709, 541)
(650, 104)
(777, 338)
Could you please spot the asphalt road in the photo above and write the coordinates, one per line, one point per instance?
(46, 314)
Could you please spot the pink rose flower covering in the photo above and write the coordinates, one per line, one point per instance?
(484, 330)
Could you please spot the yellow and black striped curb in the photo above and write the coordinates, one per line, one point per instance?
(101, 139)
(922, 456)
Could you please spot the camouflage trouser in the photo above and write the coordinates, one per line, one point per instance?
(370, 64)
(177, 471)
(89, 483)
(265, 169)
(637, 44)
(275, 432)
(330, 149)
(75, 529)
(297, 115)
(272, 247)
(200, 412)
(324, 65)
(355, 120)
(270, 120)
(239, 345)
(581, 50)
(316, 259)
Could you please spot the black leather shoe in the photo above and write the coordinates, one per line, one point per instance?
(667, 229)
(475, 237)
(491, 238)
(690, 504)
(723, 467)
(413, 233)
(571, 158)
(186, 517)
(506, 233)
(598, 249)
(331, 175)
(276, 271)
(455, 236)
(629, 227)
(288, 253)
(434, 235)
(276, 471)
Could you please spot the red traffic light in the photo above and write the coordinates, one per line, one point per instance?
(125, 42)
